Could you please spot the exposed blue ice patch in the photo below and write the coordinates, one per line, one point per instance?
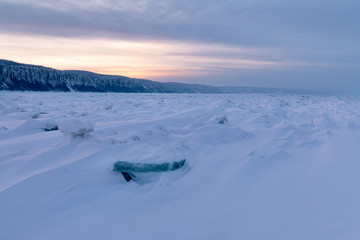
(127, 168)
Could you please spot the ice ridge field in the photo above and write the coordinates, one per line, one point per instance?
(258, 166)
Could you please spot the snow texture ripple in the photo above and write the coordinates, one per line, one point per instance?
(258, 166)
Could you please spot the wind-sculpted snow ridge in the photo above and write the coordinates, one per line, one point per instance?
(258, 166)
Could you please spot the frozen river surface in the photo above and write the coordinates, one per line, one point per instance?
(257, 166)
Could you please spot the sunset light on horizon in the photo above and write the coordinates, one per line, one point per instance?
(139, 59)
(256, 43)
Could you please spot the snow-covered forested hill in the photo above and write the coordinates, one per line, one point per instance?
(257, 166)
(16, 76)
(23, 77)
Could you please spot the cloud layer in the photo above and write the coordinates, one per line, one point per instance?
(309, 38)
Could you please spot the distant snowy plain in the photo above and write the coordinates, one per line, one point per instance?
(258, 166)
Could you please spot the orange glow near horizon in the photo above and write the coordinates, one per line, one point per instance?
(149, 60)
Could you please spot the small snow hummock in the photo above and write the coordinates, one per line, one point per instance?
(75, 127)
(223, 120)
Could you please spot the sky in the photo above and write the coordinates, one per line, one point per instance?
(258, 43)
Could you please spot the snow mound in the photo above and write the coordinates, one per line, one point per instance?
(31, 125)
(76, 128)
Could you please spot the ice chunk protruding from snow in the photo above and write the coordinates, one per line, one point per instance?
(121, 166)
(223, 120)
(76, 128)
(127, 169)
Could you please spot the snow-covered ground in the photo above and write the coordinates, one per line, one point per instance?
(257, 166)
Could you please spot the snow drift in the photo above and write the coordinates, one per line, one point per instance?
(257, 166)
